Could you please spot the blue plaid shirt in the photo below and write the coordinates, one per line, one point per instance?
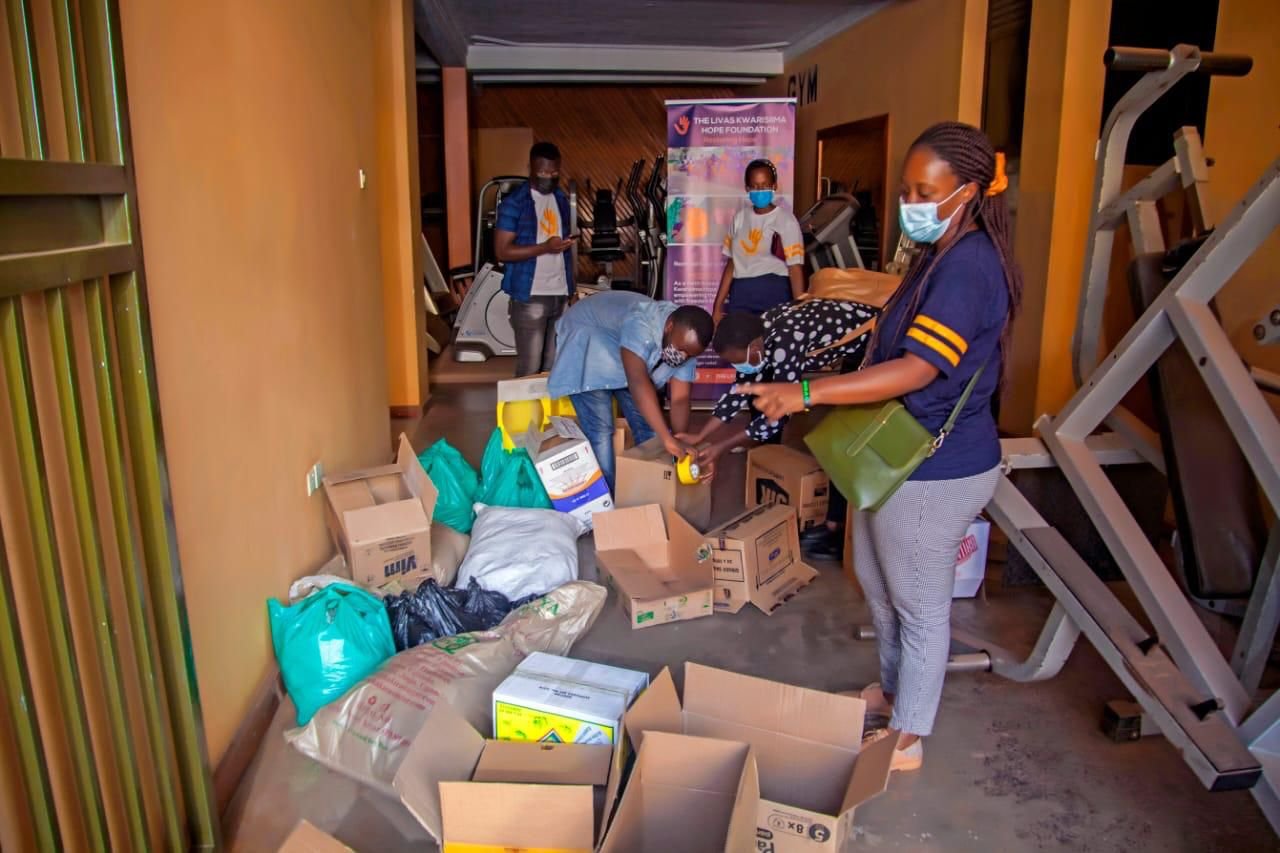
(516, 214)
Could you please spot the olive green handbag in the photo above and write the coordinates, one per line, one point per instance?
(871, 449)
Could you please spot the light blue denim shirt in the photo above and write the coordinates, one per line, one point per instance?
(591, 335)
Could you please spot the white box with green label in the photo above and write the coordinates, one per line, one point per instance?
(562, 700)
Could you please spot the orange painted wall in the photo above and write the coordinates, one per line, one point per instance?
(918, 61)
(1242, 134)
(263, 261)
(400, 209)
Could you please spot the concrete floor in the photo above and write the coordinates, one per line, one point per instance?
(1009, 767)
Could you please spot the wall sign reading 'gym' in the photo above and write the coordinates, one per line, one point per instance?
(803, 86)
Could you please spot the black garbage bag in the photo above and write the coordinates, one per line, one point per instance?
(432, 611)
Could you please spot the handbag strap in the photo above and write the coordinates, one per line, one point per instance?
(955, 413)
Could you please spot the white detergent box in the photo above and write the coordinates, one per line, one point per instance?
(971, 559)
(568, 468)
(561, 700)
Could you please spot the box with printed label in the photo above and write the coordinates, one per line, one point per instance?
(656, 563)
(777, 474)
(971, 560)
(814, 770)
(380, 519)
(485, 796)
(756, 559)
(556, 699)
(646, 474)
(568, 468)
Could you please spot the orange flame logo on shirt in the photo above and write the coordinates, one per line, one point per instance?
(752, 243)
(682, 125)
(550, 224)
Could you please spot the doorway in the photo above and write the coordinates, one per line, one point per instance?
(853, 158)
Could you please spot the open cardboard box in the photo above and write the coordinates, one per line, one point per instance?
(814, 772)
(568, 469)
(780, 474)
(646, 474)
(474, 794)
(756, 558)
(380, 519)
(651, 556)
(688, 795)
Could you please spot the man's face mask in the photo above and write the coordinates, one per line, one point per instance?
(673, 356)
(546, 184)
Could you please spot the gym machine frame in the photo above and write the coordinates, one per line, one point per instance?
(1199, 700)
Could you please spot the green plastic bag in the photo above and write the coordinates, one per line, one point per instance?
(508, 478)
(457, 484)
(327, 642)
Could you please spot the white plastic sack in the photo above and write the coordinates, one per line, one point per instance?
(366, 733)
(520, 552)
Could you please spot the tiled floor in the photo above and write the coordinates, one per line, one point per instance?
(1009, 767)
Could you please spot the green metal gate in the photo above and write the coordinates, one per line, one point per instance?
(101, 743)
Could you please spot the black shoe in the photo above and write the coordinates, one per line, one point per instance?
(816, 533)
(829, 547)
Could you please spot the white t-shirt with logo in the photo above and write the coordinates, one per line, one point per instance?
(548, 273)
(750, 242)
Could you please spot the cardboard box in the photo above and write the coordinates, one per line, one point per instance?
(646, 474)
(814, 772)
(756, 558)
(777, 474)
(971, 560)
(305, 838)
(568, 468)
(380, 519)
(687, 795)
(555, 699)
(472, 794)
(623, 439)
(656, 563)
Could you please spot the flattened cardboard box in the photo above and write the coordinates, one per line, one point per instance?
(656, 563)
(756, 559)
(778, 474)
(814, 772)
(646, 474)
(474, 795)
(380, 519)
(687, 795)
(557, 699)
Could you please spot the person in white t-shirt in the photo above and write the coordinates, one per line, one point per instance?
(532, 240)
(765, 250)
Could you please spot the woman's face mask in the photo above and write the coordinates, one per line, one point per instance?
(919, 220)
(760, 198)
(750, 367)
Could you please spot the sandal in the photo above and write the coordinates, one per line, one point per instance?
(911, 758)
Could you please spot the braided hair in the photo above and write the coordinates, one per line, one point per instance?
(972, 159)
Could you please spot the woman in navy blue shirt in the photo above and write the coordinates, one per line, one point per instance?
(949, 318)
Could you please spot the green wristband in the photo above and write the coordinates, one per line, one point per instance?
(804, 389)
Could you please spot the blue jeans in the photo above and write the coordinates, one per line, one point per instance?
(595, 416)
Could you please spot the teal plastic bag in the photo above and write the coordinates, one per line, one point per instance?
(327, 642)
(457, 484)
(508, 478)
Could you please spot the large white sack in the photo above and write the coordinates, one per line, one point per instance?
(520, 552)
(366, 733)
